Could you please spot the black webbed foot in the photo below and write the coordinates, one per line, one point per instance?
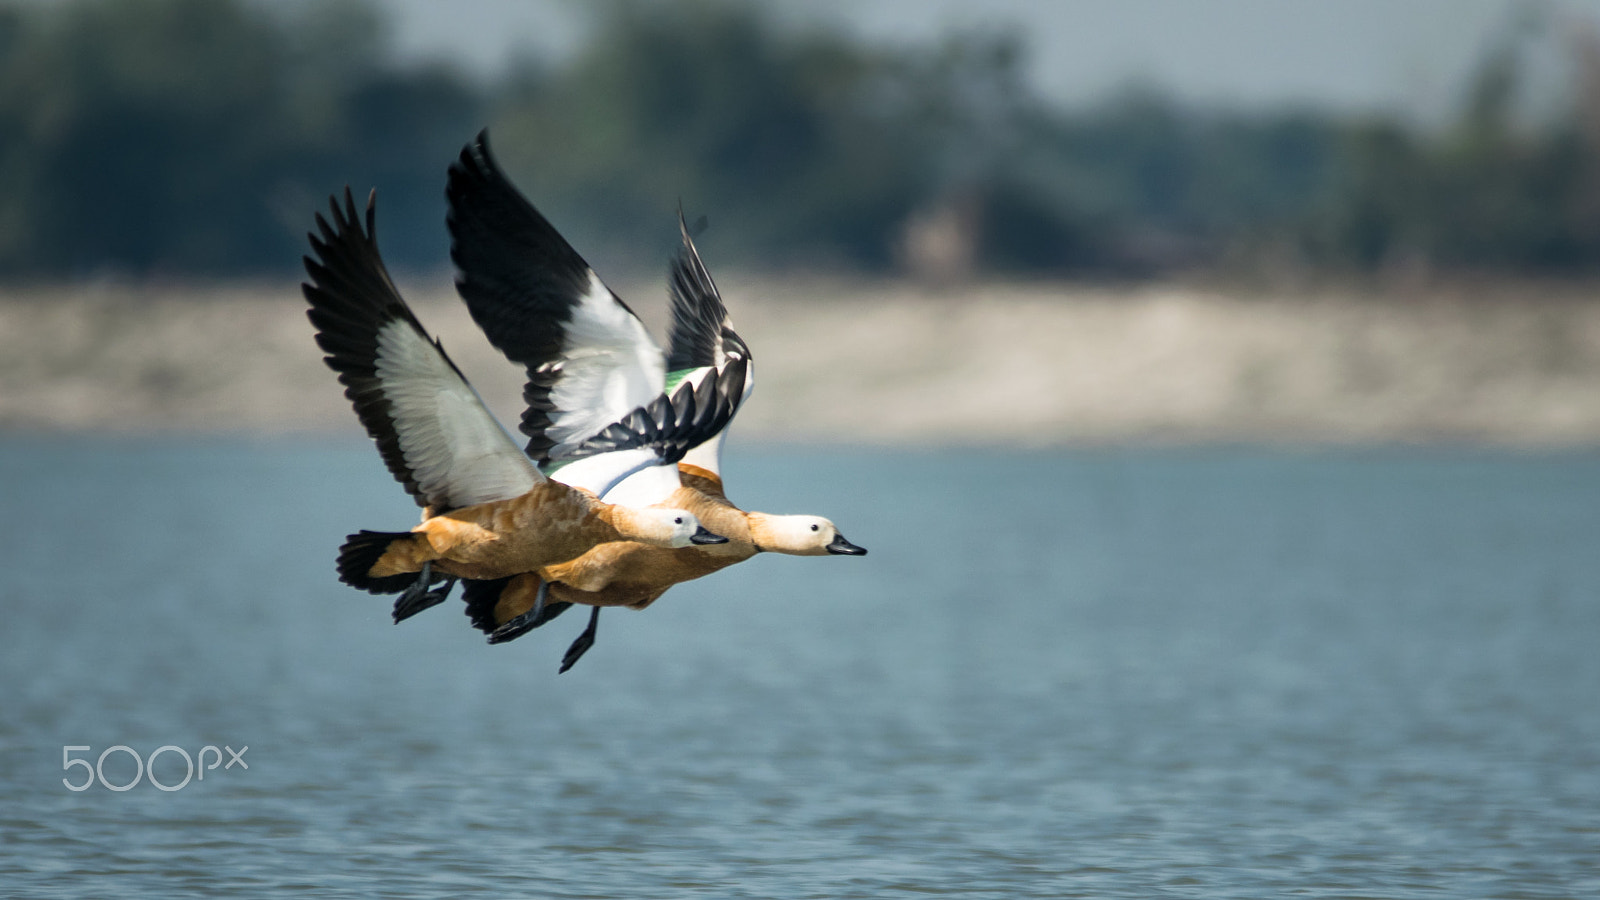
(412, 602)
(541, 613)
(516, 626)
(582, 644)
(417, 597)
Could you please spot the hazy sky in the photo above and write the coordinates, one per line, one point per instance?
(1410, 54)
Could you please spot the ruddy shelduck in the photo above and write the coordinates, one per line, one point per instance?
(589, 359)
(488, 510)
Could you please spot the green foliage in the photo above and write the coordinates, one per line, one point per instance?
(199, 136)
(1149, 185)
(778, 136)
(193, 136)
(1487, 193)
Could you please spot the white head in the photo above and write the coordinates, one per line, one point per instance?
(671, 528)
(800, 536)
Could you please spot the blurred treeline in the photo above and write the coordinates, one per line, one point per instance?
(197, 137)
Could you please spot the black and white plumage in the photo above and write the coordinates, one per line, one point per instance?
(677, 421)
(596, 380)
(701, 333)
(701, 342)
(596, 384)
(488, 510)
(431, 427)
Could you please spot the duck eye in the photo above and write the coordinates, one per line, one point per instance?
(814, 526)
(678, 521)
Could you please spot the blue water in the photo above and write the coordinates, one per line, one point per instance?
(1225, 673)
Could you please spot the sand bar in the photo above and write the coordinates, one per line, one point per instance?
(887, 362)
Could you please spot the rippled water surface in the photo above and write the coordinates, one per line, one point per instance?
(1096, 674)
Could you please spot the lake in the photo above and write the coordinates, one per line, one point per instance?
(1227, 672)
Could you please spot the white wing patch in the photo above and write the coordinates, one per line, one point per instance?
(456, 449)
(646, 487)
(600, 473)
(610, 366)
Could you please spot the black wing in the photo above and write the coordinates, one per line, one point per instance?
(673, 424)
(701, 333)
(589, 359)
(432, 429)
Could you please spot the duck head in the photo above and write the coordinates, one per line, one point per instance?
(672, 528)
(800, 536)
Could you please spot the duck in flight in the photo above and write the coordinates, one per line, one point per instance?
(488, 511)
(589, 361)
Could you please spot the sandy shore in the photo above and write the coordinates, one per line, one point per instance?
(880, 362)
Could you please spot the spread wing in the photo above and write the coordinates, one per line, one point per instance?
(656, 435)
(701, 333)
(589, 359)
(702, 343)
(432, 429)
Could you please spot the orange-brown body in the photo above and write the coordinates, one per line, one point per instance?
(549, 524)
(628, 573)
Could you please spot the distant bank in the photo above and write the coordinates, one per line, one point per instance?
(890, 363)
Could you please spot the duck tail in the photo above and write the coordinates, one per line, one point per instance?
(361, 551)
(481, 597)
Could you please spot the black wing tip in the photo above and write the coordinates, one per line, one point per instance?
(672, 425)
(346, 227)
(475, 165)
(498, 237)
(350, 298)
(519, 277)
(700, 325)
(688, 231)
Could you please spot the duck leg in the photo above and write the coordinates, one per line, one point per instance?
(583, 643)
(417, 597)
(542, 612)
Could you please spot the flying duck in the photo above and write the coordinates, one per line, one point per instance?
(590, 359)
(488, 511)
